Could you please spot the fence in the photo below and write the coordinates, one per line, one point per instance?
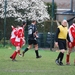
(45, 40)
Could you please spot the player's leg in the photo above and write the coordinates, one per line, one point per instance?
(29, 47)
(68, 56)
(58, 57)
(62, 51)
(62, 47)
(61, 56)
(21, 44)
(36, 49)
(18, 47)
(13, 56)
(26, 49)
(68, 53)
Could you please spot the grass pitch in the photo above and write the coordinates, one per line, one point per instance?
(29, 65)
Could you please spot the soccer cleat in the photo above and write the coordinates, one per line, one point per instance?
(10, 57)
(39, 56)
(60, 63)
(22, 54)
(68, 63)
(57, 62)
(14, 60)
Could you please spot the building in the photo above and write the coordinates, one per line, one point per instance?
(65, 9)
(61, 4)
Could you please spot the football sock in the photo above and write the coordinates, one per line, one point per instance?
(14, 55)
(37, 54)
(61, 56)
(25, 50)
(67, 58)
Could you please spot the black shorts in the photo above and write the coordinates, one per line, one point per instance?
(62, 44)
(34, 42)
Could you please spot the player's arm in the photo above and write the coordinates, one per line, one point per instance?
(69, 41)
(73, 32)
(35, 34)
(57, 23)
(56, 37)
(68, 38)
(12, 27)
(30, 31)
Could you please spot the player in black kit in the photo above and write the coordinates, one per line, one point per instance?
(32, 38)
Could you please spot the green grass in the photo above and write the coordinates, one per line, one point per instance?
(29, 65)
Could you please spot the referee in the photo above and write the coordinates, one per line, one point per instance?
(60, 41)
(32, 38)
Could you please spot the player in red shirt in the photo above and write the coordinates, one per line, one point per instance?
(71, 43)
(19, 40)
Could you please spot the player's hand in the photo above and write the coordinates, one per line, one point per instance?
(36, 36)
(70, 44)
(56, 44)
(12, 26)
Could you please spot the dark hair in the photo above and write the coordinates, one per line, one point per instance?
(74, 20)
(33, 21)
(24, 22)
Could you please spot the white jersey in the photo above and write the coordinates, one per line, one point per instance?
(13, 33)
(71, 32)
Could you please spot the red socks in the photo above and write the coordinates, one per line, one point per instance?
(67, 59)
(13, 55)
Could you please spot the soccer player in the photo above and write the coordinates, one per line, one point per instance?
(32, 39)
(21, 29)
(71, 43)
(19, 40)
(60, 41)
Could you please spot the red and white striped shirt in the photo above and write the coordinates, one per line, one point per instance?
(71, 32)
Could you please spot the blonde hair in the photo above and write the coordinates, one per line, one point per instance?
(66, 23)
